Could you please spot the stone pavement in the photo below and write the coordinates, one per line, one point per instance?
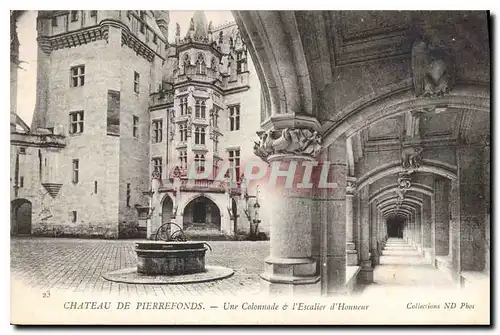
(402, 268)
(77, 265)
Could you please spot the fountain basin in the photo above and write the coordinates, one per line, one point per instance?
(170, 258)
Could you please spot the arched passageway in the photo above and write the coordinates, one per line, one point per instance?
(167, 210)
(395, 227)
(392, 137)
(20, 211)
(201, 213)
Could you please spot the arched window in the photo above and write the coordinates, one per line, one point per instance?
(201, 67)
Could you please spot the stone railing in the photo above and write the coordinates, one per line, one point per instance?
(162, 97)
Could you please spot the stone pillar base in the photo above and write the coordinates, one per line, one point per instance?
(351, 254)
(290, 276)
(352, 257)
(366, 273)
(375, 257)
(428, 255)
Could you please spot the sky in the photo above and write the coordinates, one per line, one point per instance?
(26, 29)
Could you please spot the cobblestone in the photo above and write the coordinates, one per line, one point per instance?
(77, 265)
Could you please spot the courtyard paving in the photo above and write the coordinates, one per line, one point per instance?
(77, 265)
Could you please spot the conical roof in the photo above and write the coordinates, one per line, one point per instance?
(200, 23)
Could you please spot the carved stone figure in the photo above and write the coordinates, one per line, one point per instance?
(404, 181)
(177, 29)
(297, 141)
(431, 76)
(411, 157)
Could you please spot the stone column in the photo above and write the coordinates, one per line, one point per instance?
(471, 208)
(418, 230)
(334, 206)
(352, 253)
(441, 212)
(291, 268)
(366, 272)
(427, 229)
(373, 235)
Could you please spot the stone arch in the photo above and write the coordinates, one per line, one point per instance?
(397, 99)
(275, 45)
(435, 167)
(167, 208)
(201, 213)
(420, 188)
(395, 198)
(20, 217)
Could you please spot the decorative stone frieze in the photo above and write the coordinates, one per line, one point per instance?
(292, 141)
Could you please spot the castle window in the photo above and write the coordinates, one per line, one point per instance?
(157, 165)
(157, 131)
(54, 21)
(199, 162)
(21, 181)
(22, 150)
(93, 13)
(200, 109)
(184, 106)
(240, 62)
(95, 187)
(136, 82)
(76, 122)
(77, 75)
(155, 38)
(199, 135)
(183, 159)
(128, 194)
(183, 132)
(135, 129)
(234, 118)
(76, 167)
(74, 15)
(73, 216)
(234, 162)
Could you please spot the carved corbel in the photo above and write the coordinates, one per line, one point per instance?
(430, 69)
(288, 141)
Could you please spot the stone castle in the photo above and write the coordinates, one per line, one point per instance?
(122, 113)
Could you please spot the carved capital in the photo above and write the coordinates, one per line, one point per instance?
(288, 141)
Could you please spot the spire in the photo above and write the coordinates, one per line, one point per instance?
(198, 27)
